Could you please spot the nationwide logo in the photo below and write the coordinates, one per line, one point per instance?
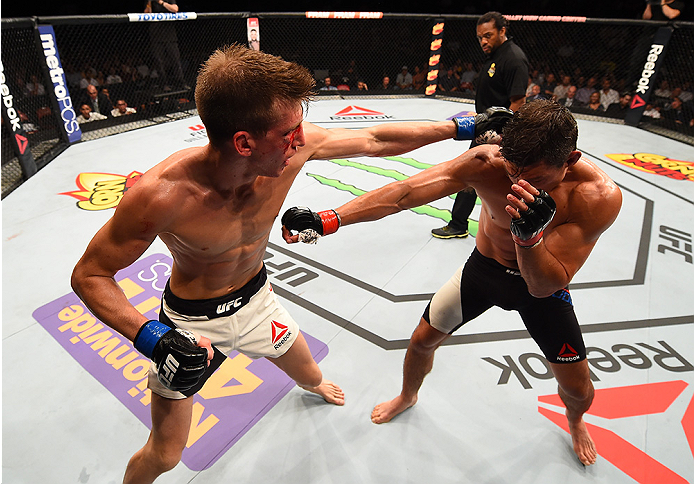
(656, 164)
(631, 402)
(436, 44)
(434, 59)
(353, 113)
(101, 191)
(237, 395)
(437, 29)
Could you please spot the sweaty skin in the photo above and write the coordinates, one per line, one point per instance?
(588, 202)
(214, 207)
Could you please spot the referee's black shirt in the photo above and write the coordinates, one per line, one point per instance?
(503, 75)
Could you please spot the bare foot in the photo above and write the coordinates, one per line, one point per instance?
(330, 392)
(583, 444)
(384, 412)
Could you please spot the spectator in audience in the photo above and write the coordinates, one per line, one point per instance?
(619, 109)
(72, 76)
(549, 85)
(675, 93)
(594, 103)
(652, 111)
(675, 113)
(467, 78)
(113, 77)
(89, 78)
(385, 84)
(561, 90)
(328, 85)
(686, 95)
(98, 102)
(538, 77)
(531, 85)
(419, 79)
(583, 93)
(404, 79)
(664, 10)
(87, 116)
(34, 87)
(570, 99)
(351, 73)
(361, 85)
(663, 91)
(449, 81)
(607, 94)
(535, 94)
(122, 109)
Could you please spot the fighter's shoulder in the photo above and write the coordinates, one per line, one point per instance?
(595, 189)
(167, 182)
(486, 156)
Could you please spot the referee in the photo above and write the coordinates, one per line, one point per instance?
(501, 82)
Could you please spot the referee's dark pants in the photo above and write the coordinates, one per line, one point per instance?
(463, 205)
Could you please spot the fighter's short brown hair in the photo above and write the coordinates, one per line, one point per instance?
(240, 89)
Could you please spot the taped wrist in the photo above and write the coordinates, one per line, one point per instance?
(464, 128)
(149, 334)
(530, 243)
(330, 220)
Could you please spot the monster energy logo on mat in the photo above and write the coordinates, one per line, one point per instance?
(429, 210)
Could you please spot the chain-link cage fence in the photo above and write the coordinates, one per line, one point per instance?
(150, 67)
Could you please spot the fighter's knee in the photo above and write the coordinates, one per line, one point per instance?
(426, 339)
(163, 460)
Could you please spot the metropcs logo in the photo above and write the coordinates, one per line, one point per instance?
(62, 95)
(631, 402)
(656, 164)
(101, 191)
(353, 113)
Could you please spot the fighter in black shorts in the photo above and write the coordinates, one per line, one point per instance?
(543, 209)
(484, 283)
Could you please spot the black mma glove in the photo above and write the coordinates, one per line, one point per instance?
(302, 218)
(180, 362)
(527, 230)
(485, 127)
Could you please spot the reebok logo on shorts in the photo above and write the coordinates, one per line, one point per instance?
(280, 334)
(567, 353)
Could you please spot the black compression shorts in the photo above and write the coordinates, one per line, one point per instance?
(484, 283)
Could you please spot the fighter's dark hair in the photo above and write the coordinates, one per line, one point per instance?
(540, 131)
(499, 20)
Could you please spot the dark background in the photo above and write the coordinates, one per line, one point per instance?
(621, 9)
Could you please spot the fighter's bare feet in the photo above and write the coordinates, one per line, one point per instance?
(583, 443)
(330, 392)
(386, 411)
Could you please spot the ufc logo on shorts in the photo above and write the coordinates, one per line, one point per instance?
(223, 308)
(169, 370)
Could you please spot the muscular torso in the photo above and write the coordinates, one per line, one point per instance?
(492, 185)
(217, 240)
